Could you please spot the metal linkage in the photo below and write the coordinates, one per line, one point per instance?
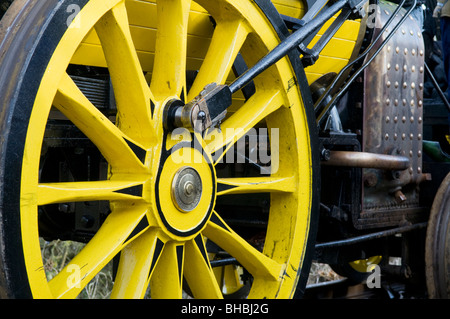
(210, 107)
(310, 56)
(321, 113)
(437, 87)
(291, 42)
(371, 236)
(343, 242)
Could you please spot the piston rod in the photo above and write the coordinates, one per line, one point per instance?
(210, 107)
(367, 160)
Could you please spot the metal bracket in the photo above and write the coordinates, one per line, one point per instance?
(210, 107)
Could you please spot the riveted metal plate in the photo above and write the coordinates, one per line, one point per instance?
(392, 121)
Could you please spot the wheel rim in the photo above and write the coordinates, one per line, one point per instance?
(437, 244)
(161, 241)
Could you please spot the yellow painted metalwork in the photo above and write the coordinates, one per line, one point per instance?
(337, 52)
(365, 265)
(293, 8)
(332, 59)
(147, 49)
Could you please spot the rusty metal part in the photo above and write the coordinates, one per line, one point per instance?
(393, 112)
(393, 123)
(437, 244)
(367, 160)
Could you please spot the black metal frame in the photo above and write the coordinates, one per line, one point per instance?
(213, 105)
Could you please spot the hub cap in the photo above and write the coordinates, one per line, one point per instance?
(186, 189)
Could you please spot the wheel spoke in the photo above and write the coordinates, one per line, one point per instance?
(198, 271)
(118, 149)
(131, 90)
(135, 266)
(255, 185)
(258, 264)
(167, 278)
(52, 193)
(258, 107)
(118, 230)
(228, 38)
(169, 71)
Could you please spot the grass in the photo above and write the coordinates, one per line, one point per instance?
(56, 254)
(320, 273)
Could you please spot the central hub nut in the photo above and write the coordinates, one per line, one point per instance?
(186, 189)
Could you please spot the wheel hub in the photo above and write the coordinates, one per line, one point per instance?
(186, 189)
(185, 192)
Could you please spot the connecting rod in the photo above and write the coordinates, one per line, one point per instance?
(210, 106)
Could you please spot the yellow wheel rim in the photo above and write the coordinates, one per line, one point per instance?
(161, 239)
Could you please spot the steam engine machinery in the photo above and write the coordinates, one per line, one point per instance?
(215, 149)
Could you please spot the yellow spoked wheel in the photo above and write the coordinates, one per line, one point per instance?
(164, 189)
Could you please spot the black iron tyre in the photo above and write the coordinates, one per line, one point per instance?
(437, 245)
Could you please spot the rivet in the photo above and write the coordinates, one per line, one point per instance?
(404, 101)
(419, 136)
(388, 48)
(421, 69)
(396, 102)
(411, 136)
(413, 51)
(405, 85)
(388, 119)
(396, 84)
(397, 50)
(395, 119)
(405, 68)
(412, 103)
(410, 170)
(411, 32)
(410, 153)
(421, 86)
(403, 136)
(419, 34)
(395, 136)
(412, 119)
(419, 120)
(388, 84)
(387, 12)
(413, 68)
(413, 85)
(420, 102)
(419, 153)
(405, 51)
(404, 119)
(419, 169)
(421, 52)
(388, 101)
(403, 31)
(388, 66)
